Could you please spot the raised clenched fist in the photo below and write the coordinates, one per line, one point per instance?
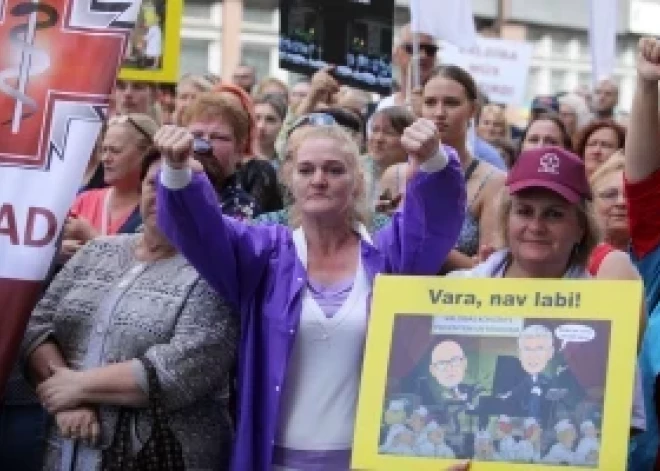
(648, 59)
(175, 145)
(421, 140)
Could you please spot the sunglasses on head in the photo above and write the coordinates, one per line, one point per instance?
(127, 119)
(313, 119)
(428, 49)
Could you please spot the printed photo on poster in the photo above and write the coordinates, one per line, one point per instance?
(355, 36)
(496, 389)
(152, 52)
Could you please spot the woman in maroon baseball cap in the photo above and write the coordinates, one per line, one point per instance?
(548, 230)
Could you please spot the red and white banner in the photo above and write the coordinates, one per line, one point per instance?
(58, 63)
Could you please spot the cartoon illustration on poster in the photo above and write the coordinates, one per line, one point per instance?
(512, 390)
(539, 374)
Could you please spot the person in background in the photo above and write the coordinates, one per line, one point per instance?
(189, 86)
(256, 176)
(135, 97)
(385, 151)
(402, 60)
(610, 258)
(119, 299)
(548, 230)
(450, 101)
(598, 141)
(545, 130)
(574, 113)
(287, 284)
(272, 86)
(491, 126)
(166, 99)
(113, 209)
(245, 76)
(269, 114)
(605, 99)
(298, 92)
(221, 127)
(642, 187)
(543, 104)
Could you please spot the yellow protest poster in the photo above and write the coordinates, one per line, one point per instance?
(513, 374)
(152, 51)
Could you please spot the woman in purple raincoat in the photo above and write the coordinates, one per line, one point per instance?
(303, 294)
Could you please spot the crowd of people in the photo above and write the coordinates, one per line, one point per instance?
(221, 253)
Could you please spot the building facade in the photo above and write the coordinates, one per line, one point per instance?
(558, 29)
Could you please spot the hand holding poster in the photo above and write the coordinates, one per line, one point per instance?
(59, 62)
(353, 35)
(507, 373)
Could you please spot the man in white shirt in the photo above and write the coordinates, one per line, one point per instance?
(402, 58)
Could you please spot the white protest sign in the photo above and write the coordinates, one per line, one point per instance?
(500, 67)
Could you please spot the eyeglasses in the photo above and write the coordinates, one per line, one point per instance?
(128, 119)
(443, 365)
(611, 194)
(313, 119)
(429, 49)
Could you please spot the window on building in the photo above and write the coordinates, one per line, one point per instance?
(258, 56)
(584, 79)
(198, 10)
(194, 57)
(533, 83)
(557, 81)
(261, 16)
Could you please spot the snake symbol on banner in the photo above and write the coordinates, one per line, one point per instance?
(33, 61)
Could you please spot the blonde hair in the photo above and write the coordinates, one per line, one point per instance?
(141, 125)
(358, 211)
(213, 105)
(616, 163)
(586, 219)
(200, 82)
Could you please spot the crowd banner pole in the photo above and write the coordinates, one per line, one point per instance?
(58, 64)
(448, 20)
(602, 36)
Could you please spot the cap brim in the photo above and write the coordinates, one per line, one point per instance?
(563, 191)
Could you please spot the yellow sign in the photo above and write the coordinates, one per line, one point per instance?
(512, 374)
(152, 51)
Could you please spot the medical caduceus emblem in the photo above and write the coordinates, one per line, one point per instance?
(58, 61)
(29, 59)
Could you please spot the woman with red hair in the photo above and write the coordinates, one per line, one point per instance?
(255, 175)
